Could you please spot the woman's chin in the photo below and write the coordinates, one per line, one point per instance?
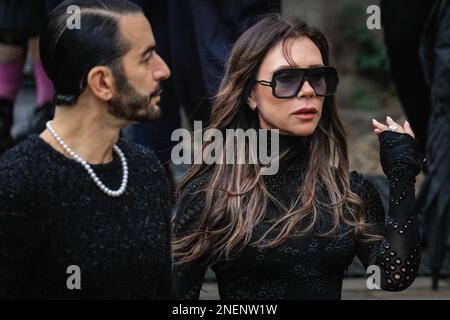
(301, 130)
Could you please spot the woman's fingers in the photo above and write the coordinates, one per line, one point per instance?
(379, 126)
(377, 131)
(391, 125)
(394, 126)
(408, 129)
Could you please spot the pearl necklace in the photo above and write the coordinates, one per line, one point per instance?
(109, 192)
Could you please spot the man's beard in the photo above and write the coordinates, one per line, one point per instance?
(130, 105)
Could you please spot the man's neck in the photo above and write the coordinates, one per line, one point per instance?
(87, 129)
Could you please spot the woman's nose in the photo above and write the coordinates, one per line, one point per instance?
(307, 90)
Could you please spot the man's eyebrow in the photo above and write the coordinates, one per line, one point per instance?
(149, 49)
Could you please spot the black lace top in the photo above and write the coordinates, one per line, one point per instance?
(313, 267)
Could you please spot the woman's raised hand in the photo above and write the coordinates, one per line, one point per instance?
(391, 125)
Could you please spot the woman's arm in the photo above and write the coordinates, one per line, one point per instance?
(188, 277)
(398, 254)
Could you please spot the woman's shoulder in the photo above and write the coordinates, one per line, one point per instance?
(192, 195)
(196, 184)
(361, 184)
(191, 202)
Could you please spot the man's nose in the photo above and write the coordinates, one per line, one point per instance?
(161, 71)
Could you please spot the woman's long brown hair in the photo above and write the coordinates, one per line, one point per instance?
(235, 196)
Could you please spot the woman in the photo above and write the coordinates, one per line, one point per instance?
(292, 235)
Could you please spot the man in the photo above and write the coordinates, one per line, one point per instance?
(83, 214)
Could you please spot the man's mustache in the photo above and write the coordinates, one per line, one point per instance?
(156, 92)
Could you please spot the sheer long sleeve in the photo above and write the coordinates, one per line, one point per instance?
(188, 277)
(398, 253)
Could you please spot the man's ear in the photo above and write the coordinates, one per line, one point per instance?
(101, 82)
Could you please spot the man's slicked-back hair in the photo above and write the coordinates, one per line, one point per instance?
(68, 54)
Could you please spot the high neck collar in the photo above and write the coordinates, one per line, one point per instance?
(296, 143)
(293, 147)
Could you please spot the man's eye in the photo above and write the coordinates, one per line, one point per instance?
(147, 59)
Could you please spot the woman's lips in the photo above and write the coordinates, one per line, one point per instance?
(305, 113)
(305, 116)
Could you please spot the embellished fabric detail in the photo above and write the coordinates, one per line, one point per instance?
(313, 267)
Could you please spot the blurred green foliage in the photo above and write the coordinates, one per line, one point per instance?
(371, 54)
(369, 57)
(362, 98)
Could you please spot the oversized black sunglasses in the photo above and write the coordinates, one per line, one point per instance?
(287, 83)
